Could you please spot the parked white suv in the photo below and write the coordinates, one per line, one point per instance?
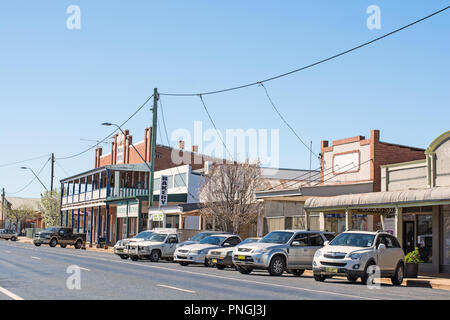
(352, 253)
(160, 245)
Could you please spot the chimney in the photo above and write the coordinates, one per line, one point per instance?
(181, 144)
(194, 148)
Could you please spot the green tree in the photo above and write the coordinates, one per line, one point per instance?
(20, 215)
(50, 207)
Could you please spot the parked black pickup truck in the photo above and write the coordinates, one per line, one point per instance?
(62, 236)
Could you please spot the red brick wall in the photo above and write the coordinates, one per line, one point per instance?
(381, 153)
(163, 154)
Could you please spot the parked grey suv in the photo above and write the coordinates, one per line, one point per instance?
(283, 250)
(8, 234)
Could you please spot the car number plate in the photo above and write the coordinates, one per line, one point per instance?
(241, 257)
(214, 260)
(332, 270)
(120, 250)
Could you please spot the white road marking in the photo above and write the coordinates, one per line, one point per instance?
(216, 276)
(10, 294)
(8, 251)
(37, 258)
(175, 288)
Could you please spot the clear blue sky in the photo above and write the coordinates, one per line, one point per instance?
(59, 85)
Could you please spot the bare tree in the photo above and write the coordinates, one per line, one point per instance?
(228, 194)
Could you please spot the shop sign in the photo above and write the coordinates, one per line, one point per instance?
(130, 209)
(157, 216)
(163, 191)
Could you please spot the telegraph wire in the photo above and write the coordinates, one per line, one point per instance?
(215, 127)
(22, 161)
(285, 121)
(107, 137)
(312, 64)
(168, 144)
(32, 180)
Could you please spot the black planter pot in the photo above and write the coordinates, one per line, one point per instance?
(411, 270)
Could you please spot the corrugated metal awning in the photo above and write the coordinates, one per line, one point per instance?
(404, 198)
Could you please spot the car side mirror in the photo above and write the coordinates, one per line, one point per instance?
(381, 246)
(295, 244)
(326, 243)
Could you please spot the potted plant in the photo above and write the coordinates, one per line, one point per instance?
(412, 260)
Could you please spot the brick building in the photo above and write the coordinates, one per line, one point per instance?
(348, 166)
(110, 201)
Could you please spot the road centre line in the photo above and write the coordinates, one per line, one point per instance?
(37, 258)
(175, 288)
(215, 276)
(10, 294)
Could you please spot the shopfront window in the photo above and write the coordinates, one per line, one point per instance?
(335, 222)
(425, 237)
(359, 222)
(446, 235)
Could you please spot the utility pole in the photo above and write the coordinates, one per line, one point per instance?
(53, 174)
(3, 208)
(153, 150)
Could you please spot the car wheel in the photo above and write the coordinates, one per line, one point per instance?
(220, 266)
(155, 255)
(352, 279)
(397, 279)
(63, 245)
(78, 244)
(134, 258)
(366, 275)
(184, 264)
(319, 278)
(123, 256)
(53, 243)
(298, 272)
(13, 238)
(209, 263)
(277, 266)
(244, 270)
(37, 244)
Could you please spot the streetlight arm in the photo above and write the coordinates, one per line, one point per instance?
(118, 127)
(36, 177)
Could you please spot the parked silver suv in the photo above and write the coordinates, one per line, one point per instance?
(352, 253)
(8, 234)
(279, 251)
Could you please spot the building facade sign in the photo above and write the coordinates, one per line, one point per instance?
(164, 186)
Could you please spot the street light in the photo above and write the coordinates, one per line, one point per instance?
(108, 124)
(35, 176)
(150, 191)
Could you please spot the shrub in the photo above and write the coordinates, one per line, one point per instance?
(413, 257)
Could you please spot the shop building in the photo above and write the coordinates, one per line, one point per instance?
(110, 202)
(348, 166)
(414, 205)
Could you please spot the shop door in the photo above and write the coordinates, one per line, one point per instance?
(408, 239)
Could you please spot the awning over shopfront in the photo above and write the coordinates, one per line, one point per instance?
(404, 198)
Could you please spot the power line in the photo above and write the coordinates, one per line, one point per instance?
(168, 144)
(107, 137)
(312, 64)
(285, 121)
(32, 180)
(215, 127)
(22, 161)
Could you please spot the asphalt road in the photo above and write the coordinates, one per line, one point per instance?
(29, 272)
